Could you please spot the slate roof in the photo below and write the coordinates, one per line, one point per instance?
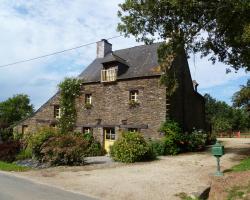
(141, 62)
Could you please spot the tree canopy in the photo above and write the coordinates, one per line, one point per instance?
(223, 117)
(219, 29)
(14, 109)
(242, 97)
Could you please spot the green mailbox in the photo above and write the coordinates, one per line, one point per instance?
(218, 151)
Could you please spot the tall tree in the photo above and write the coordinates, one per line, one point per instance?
(219, 28)
(15, 109)
(242, 97)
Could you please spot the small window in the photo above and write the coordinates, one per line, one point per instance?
(57, 112)
(24, 129)
(88, 99)
(133, 130)
(133, 95)
(87, 130)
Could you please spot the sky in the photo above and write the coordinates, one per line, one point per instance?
(30, 28)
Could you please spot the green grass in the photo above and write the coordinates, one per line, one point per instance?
(24, 154)
(12, 167)
(238, 192)
(243, 166)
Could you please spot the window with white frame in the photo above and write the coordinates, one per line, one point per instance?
(57, 112)
(88, 99)
(133, 95)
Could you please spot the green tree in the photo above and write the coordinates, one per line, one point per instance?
(223, 117)
(221, 124)
(242, 97)
(219, 28)
(14, 109)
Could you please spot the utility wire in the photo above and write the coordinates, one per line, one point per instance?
(54, 53)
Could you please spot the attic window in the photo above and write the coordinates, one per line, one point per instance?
(109, 75)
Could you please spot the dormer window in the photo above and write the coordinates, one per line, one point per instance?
(109, 75)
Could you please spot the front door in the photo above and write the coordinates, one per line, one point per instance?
(109, 138)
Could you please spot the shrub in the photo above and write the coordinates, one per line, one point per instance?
(6, 134)
(64, 150)
(8, 150)
(173, 138)
(158, 147)
(131, 147)
(35, 141)
(196, 140)
(94, 147)
(24, 154)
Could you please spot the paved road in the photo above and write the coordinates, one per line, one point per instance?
(13, 188)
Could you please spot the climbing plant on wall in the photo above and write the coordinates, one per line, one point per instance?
(69, 91)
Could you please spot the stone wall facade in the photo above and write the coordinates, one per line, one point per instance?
(110, 108)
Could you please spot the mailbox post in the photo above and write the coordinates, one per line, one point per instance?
(218, 151)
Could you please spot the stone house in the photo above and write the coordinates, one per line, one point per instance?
(121, 91)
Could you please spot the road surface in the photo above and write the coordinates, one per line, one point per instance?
(13, 188)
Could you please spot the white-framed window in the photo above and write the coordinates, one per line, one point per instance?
(133, 95)
(88, 99)
(87, 130)
(57, 112)
(109, 75)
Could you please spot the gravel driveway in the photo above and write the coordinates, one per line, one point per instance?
(160, 179)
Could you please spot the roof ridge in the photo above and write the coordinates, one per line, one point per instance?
(138, 46)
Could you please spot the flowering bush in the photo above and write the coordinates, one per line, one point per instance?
(173, 137)
(64, 150)
(196, 140)
(36, 140)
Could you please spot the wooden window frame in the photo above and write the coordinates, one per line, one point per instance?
(133, 95)
(110, 133)
(88, 99)
(109, 75)
(57, 112)
(24, 128)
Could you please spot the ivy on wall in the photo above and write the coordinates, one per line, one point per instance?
(69, 90)
(166, 57)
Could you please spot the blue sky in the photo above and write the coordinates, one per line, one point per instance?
(30, 28)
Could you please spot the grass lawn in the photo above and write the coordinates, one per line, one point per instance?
(243, 166)
(12, 167)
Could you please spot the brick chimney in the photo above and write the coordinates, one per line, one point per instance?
(195, 85)
(103, 48)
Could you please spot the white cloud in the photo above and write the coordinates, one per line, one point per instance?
(209, 75)
(30, 28)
